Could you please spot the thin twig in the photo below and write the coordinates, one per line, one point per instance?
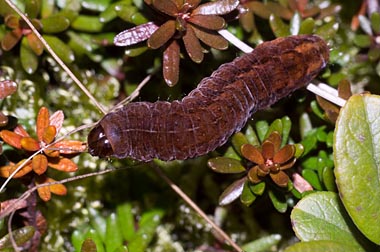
(316, 89)
(55, 56)
(191, 203)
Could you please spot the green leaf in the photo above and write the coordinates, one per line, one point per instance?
(237, 140)
(225, 165)
(357, 161)
(113, 238)
(251, 136)
(98, 223)
(247, 197)
(20, 236)
(55, 24)
(261, 129)
(279, 28)
(375, 22)
(312, 177)
(29, 59)
(258, 188)
(147, 228)
(307, 26)
(262, 244)
(87, 23)
(286, 127)
(362, 41)
(278, 200)
(276, 125)
(322, 246)
(319, 216)
(329, 179)
(61, 49)
(95, 5)
(126, 221)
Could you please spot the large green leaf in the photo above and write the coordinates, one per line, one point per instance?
(320, 216)
(321, 246)
(357, 162)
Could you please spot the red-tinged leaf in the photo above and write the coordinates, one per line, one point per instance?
(211, 38)
(253, 175)
(12, 205)
(252, 154)
(7, 87)
(232, 192)
(49, 134)
(171, 64)
(3, 120)
(19, 130)
(39, 164)
(11, 39)
(42, 122)
(284, 154)
(192, 45)
(259, 9)
(30, 144)
(51, 153)
(11, 138)
(35, 44)
(208, 22)
(63, 164)
(301, 184)
(280, 178)
(162, 35)
(220, 7)
(135, 35)
(6, 171)
(12, 21)
(56, 119)
(166, 6)
(69, 147)
(193, 3)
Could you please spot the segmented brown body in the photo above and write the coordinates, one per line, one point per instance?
(218, 107)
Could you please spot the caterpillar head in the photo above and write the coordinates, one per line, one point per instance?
(98, 143)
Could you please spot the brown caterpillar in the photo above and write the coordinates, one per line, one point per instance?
(220, 105)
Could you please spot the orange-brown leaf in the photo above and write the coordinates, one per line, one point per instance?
(44, 193)
(39, 164)
(11, 138)
(6, 171)
(30, 144)
(56, 119)
(63, 164)
(70, 147)
(42, 122)
(7, 87)
(49, 134)
(58, 189)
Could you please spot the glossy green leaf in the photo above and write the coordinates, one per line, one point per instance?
(225, 165)
(95, 5)
(87, 23)
(286, 127)
(55, 24)
(20, 236)
(247, 197)
(126, 221)
(262, 129)
(279, 28)
(329, 179)
(125, 11)
(238, 140)
(259, 188)
(251, 136)
(108, 14)
(278, 200)
(32, 8)
(265, 243)
(357, 165)
(312, 177)
(276, 125)
(113, 238)
(29, 59)
(318, 216)
(328, 30)
(322, 246)
(60, 48)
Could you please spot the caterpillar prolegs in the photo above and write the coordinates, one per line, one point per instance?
(219, 106)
